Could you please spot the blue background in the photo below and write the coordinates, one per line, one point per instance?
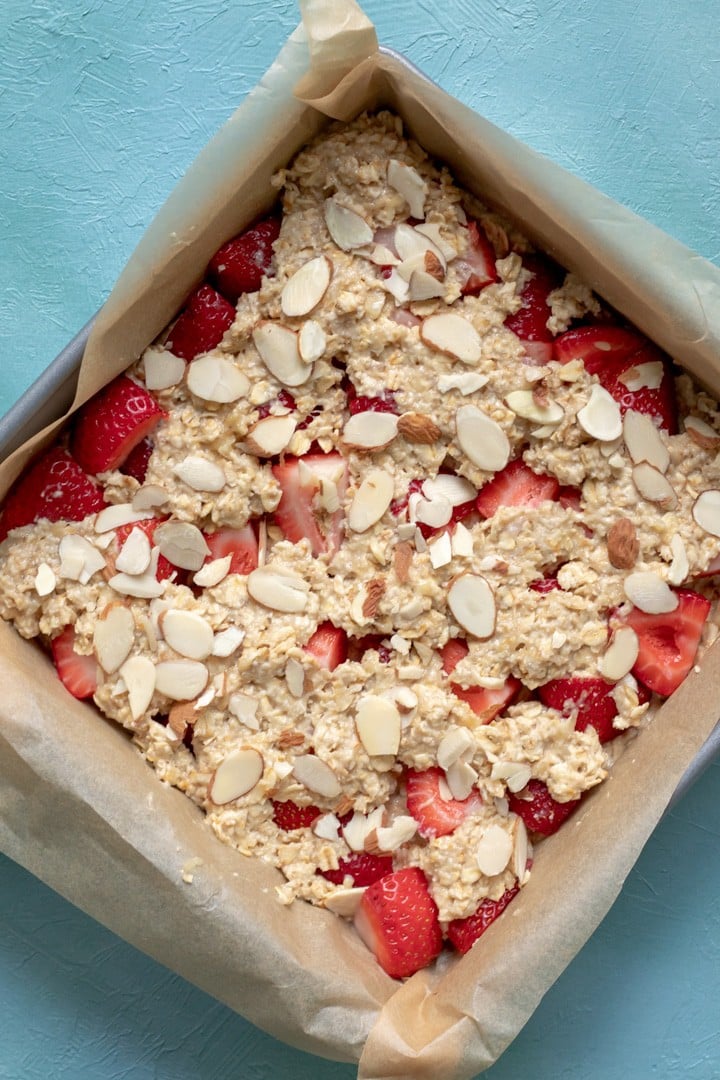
(102, 107)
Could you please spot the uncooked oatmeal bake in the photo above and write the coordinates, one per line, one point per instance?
(384, 550)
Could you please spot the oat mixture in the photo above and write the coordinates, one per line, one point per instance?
(369, 304)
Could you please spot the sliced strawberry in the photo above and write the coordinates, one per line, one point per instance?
(165, 568)
(201, 324)
(476, 268)
(541, 813)
(530, 321)
(463, 933)
(487, 704)
(289, 816)
(136, 463)
(453, 651)
(435, 815)
(384, 402)
(239, 265)
(241, 544)
(398, 921)
(590, 698)
(357, 647)
(296, 513)
(544, 585)
(112, 423)
(53, 487)
(328, 645)
(598, 345)
(668, 642)
(570, 498)
(78, 673)
(516, 485)
(362, 867)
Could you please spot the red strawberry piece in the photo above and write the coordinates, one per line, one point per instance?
(570, 498)
(611, 352)
(530, 321)
(53, 487)
(463, 933)
(136, 463)
(357, 647)
(384, 402)
(165, 568)
(241, 544)
(112, 423)
(544, 585)
(328, 645)
(398, 921)
(516, 485)
(77, 672)
(289, 816)
(453, 651)
(476, 268)
(362, 867)
(435, 815)
(668, 642)
(201, 324)
(487, 704)
(541, 813)
(589, 698)
(240, 265)
(296, 513)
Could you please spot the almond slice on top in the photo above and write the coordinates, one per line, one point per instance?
(182, 544)
(236, 775)
(371, 500)
(187, 632)
(621, 654)
(277, 589)
(601, 417)
(138, 674)
(644, 442)
(162, 369)
(316, 775)
(113, 637)
(134, 556)
(653, 486)
(453, 335)
(648, 592)
(347, 228)
(306, 288)
(424, 286)
(524, 404)
(279, 351)
(311, 341)
(181, 680)
(408, 182)
(370, 430)
(216, 378)
(481, 439)
(378, 725)
(706, 511)
(200, 473)
(701, 433)
(472, 603)
(271, 435)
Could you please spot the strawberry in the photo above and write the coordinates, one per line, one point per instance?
(362, 867)
(544, 585)
(165, 568)
(668, 642)
(384, 402)
(328, 645)
(112, 423)
(453, 651)
(516, 485)
(299, 480)
(460, 511)
(541, 813)
(77, 672)
(398, 921)
(356, 647)
(435, 815)
(487, 704)
(239, 265)
(201, 324)
(289, 816)
(463, 933)
(136, 462)
(590, 698)
(570, 498)
(529, 323)
(53, 487)
(476, 268)
(610, 352)
(241, 544)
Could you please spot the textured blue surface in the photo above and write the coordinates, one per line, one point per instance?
(102, 107)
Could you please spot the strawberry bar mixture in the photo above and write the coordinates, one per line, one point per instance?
(384, 550)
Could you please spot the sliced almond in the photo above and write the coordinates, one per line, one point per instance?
(378, 725)
(456, 489)
(79, 559)
(515, 774)
(371, 500)
(270, 436)
(180, 680)
(472, 603)
(112, 517)
(162, 369)
(149, 497)
(521, 848)
(278, 589)
(244, 708)
(295, 677)
(462, 542)
(481, 439)
(306, 288)
(455, 743)
(453, 335)
(374, 592)
(644, 442)
(187, 632)
(402, 560)
(312, 341)
(182, 544)
(418, 428)
(316, 776)
(433, 232)
(134, 556)
(279, 351)
(622, 544)
(236, 775)
(216, 378)
(647, 376)
(347, 228)
(143, 586)
(524, 403)
(648, 592)
(180, 715)
(400, 830)
(213, 572)
(200, 473)
(621, 654)
(679, 567)
(654, 487)
(344, 902)
(370, 430)
(424, 286)
(440, 551)
(408, 182)
(227, 641)
(494, 850)
(467, 382)
(138, 674)
(45, 580)
(701, 433)
(706, 511)
(412, 247)
(397, 286)
(601, 417)
(113, 637)
(327, 826)
(461, 779)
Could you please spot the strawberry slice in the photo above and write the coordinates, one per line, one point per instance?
(570, 498)
(463, 933)
(328, 645)
(612, 353)
(53, 487)
(590, 698)
(77, 672)
(541, 813)
(299, 480)
(516, 485)
(453, 651)
(363, 867)
(239, 265)
(112, 423)
(384, 402)
(289, 816)
(487, 704)
(529, 323)
(398, 921)
(435, 815)
(136, 463)
(201, 324)
(241, 544)
(165, 568)
(476, 268)
(668, 642)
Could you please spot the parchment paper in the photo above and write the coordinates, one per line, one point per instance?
(79, 807)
